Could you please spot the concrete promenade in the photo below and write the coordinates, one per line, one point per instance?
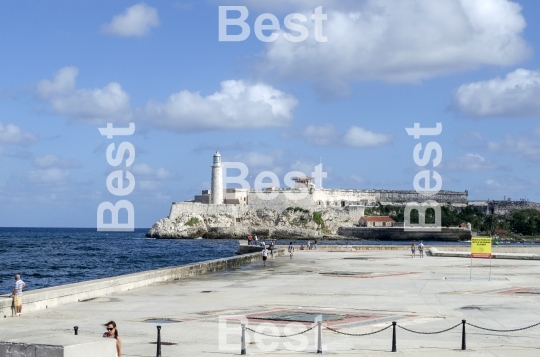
(358, 291)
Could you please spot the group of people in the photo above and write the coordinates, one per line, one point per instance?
(309, 245)
(420, 249)
(17, 294)
(253, 240)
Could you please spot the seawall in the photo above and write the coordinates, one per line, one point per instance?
(399, 234)
(40, 299)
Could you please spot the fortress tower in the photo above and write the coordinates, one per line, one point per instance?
(216, 193)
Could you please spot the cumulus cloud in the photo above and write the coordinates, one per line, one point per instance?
(524, 146)
(515, 95)
(401, 41)
(48, 176)
(136, 21)
(321, 135)
(12, 134)
(354, 137)
(469, 162)
(91, 106)
(147, 171)
(149, 185)
(360, 137)
(53, 161)
(258, 160)
(238, 105)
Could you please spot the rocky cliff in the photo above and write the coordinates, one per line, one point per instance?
(266, 223)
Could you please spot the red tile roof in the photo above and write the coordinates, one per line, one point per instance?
(378, 219)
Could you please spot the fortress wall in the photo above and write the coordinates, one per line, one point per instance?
(281, 202)
(178, 208)
(413, 196)
(334, 197)
(505, 207)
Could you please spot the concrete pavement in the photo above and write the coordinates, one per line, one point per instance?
(358, 292)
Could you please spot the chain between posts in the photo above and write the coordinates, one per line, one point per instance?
(429, 333)
(387, 327)
(358, 334)
(494, 330)
(281, 336)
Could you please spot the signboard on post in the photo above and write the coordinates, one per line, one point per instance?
(481, 248)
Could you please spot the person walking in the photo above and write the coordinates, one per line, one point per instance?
(308, 245)
(17, 294)
(112, 332)
(265, 255)
(413, 250)
(315, 244)
(291, 250)
(272, 244)
(250, 239)
(421, 249)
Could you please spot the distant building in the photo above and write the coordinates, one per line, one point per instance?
(376, 221)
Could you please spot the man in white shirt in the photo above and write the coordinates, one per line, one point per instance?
(17, 294)
(265, 255)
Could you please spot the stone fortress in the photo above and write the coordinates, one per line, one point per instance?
(279, 212)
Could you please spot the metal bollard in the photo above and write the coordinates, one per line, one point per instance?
(158, 353)
(243, 350)
(394, 348)
(319, 343)
(463, 336)
(76, 328)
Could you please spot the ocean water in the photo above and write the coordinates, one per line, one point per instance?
(48, 257)
(55, 256)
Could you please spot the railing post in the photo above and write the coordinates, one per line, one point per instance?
(394, 348)
(76, 329)
(243, 350)
(158, 352)
(463, 336)
(319, 343)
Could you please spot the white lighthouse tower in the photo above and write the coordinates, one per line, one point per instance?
(216, 193)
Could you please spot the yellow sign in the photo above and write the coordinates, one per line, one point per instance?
(480, 247)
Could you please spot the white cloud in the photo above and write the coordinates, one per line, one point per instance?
(239, 105)
(401, 41)
(12, 134)
(515, 95)
(257, 160)
(321, 135)
(92, 106)
(355, 137)
(137, 21)
(360, 137)
(48, 176)
(53, 161)
(148, 171)
(525, 146)
(469, 162)
(149, 185)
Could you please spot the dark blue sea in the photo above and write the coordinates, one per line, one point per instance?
(48, 257)
(55, 256)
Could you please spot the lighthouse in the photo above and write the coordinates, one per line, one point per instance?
(216, 193)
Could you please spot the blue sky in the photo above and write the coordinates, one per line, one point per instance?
(70, 67)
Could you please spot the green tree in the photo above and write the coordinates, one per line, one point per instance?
(525, 221)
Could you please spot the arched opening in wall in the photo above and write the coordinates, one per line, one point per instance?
(414, 217)
(430, 216)
(342, 203)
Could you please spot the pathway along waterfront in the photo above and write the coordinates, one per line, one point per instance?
(357, 292)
